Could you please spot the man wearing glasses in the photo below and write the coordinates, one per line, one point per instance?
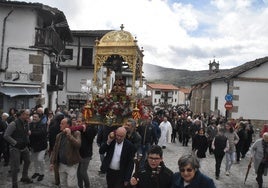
(155, 173)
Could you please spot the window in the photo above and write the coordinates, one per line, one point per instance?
(87, 57)
(157, 92)
(155, 100)
(68, 54)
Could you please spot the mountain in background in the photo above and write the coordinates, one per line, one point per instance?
(177, 77)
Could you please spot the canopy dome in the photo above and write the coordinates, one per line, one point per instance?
(118, 38)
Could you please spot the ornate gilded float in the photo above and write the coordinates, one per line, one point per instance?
(119, 53)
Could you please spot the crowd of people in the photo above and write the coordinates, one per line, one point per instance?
(131, 155)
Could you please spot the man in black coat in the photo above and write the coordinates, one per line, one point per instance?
(118, 162)
(38, 144)
(155, 174)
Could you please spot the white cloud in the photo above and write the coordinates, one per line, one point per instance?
(179, 35)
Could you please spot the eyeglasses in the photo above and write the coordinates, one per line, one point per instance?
(187, 170)
(154, 159)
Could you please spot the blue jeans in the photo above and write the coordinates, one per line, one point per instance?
(230, 158)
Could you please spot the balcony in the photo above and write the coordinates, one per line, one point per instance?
(48, 39)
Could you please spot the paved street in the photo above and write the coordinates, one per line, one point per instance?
(171, 155)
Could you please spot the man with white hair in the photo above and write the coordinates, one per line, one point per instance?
(259, 153)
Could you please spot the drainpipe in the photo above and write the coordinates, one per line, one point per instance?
(3, 38)
(227, 81)
(78, 53)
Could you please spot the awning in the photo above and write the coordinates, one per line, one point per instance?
(18, 91)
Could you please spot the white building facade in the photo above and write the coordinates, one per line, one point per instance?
(29, 39)
(163, 94)
(247, 85)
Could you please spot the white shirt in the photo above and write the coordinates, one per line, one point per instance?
(115, 163)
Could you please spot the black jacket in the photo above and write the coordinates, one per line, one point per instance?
(87, 138)
(126, 159)
(38, 137)
(154, 178)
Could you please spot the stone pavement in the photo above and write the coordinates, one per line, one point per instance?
(171, 155)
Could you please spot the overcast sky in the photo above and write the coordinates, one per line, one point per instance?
(182, 34)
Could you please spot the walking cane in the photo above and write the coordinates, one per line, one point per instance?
(249, 166)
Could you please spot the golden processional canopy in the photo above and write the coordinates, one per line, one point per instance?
(118, 51)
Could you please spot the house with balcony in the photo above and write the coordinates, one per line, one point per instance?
(33, 38)
(78, 68)
(163, 95)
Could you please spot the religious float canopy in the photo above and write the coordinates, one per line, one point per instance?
(118, 52)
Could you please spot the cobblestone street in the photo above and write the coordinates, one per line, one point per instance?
(171, 155)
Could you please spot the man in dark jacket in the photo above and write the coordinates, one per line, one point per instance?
(38, 144)
(86, 153)
(155, 174)
(220, 146)
(148, 137)
(4, 146)
(17, 134)
(118, 162)
(132, 135)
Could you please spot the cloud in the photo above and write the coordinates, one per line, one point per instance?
(180, 34)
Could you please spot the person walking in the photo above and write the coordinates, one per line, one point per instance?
(155, 174)
(86, 153)
(118, 162)
(220, 145)
(166, 130)
(200, 145)
(4, 146)
(230, 153)
(248, 140)
(65, 155)
(17, 134)
(259, 153)
(174, 123)
(38, 144)
(148, 136)
(186, 131)
(241, 132)
(212, 131)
